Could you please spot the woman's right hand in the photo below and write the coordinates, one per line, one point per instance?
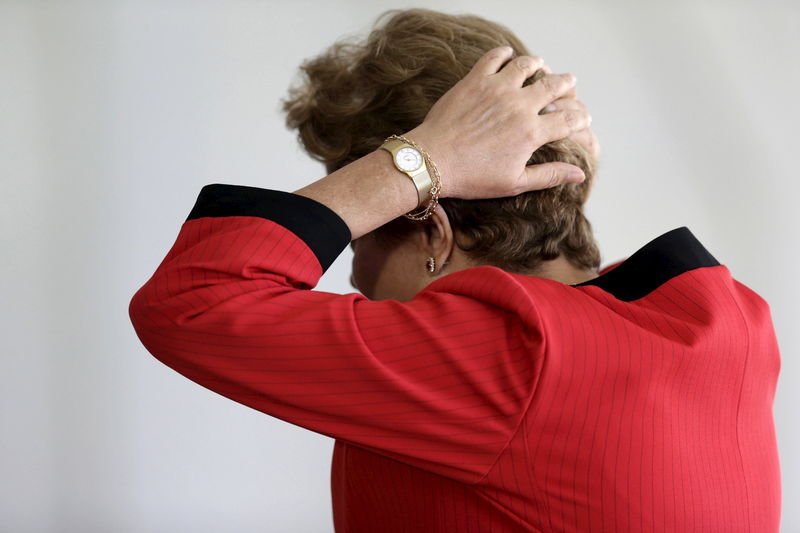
(483, 130)
(585, 137)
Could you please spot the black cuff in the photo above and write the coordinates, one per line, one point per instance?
(321, 228)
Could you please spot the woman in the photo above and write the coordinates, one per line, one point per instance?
(489, 378)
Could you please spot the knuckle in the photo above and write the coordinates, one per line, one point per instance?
(524, 63)
(595, 144)
(584, 119)
(552, 178)
(519, 64)
(483, 85)
(549, 85)
(497, 53)
(495, 92)
(570, 119)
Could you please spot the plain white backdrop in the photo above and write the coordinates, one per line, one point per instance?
(114, 114)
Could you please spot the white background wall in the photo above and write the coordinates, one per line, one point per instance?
(113, 115)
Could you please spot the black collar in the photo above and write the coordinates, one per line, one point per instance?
(668, 255)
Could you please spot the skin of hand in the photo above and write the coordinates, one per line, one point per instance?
(584, 137)
(480, 134)
(482, 131)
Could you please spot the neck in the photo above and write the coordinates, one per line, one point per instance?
(560, 269)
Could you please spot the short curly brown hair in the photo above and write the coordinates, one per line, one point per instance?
(358, 92)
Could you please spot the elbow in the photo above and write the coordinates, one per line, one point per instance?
(151, 323)
(143, 309)
(138, 311)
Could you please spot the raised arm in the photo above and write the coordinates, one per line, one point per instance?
(440, 381)
(486, 112)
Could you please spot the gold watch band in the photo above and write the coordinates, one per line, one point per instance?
(420, 177)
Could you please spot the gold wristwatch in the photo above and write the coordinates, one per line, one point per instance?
(410, 161)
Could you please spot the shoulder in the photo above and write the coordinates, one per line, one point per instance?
(520, 294)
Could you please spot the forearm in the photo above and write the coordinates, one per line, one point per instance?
(367, 193)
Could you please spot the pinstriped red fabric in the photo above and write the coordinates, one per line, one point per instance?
(640, 401)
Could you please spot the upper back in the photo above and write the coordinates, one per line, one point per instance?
(653, 402)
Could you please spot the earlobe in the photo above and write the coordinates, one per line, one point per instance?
(431, 264)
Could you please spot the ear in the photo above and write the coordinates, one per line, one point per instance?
(436, 237)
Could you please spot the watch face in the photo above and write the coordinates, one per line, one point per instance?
(408, 159)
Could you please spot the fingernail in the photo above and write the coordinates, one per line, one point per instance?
(576, 176)
(549, 108)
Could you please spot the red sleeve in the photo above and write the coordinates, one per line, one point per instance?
(441, 381)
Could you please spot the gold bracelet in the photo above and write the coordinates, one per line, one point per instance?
(436, 180)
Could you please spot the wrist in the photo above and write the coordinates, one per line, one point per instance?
(424, 137)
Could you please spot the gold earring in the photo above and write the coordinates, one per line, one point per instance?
(431, 264)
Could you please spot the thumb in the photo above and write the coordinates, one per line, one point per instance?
(546, 175)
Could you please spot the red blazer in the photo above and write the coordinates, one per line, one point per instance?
(640, 400)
